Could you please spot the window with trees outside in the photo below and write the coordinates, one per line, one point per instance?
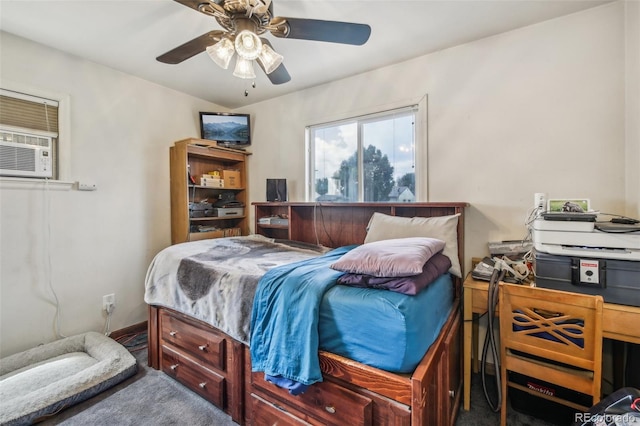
(364, 159)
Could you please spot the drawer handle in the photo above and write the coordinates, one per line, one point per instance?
(174, 367)
(203, 347)
(330, 409)
(203, 385)
(173, 333)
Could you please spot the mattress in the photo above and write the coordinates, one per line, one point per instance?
(381, 328)
(215, 281)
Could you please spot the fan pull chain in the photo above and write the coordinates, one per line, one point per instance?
(246, 91)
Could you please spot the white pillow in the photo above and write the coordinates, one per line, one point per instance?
(445, 228)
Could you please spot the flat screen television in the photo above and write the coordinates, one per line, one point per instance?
(228, 129)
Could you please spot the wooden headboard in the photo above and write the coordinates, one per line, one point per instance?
(341, 224)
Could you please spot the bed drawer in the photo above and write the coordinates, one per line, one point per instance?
(266, 413)
(207, 346)
(325, 401)
(201, 380)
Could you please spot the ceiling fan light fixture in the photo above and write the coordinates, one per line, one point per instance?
(260, 6)
(244, 68)
(243, 21)
(248, 45)
(221, 52)
(269, 58)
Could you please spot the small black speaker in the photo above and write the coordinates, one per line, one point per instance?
(276, 190)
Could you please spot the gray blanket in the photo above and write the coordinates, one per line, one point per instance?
(215, 280)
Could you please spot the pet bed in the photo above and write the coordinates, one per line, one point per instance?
(48, 378)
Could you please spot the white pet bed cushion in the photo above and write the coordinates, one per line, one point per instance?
(48, 378)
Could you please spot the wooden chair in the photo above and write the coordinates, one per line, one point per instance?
(551, 335)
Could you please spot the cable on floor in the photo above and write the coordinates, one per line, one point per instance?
(490, 342)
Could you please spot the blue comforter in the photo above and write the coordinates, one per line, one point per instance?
(284, 321)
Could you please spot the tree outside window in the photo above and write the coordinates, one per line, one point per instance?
(369, 159)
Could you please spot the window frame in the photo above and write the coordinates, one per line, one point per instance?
(63, 139)
(420, 145)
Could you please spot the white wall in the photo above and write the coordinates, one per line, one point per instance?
(538, 109)
(98, 242)
(632, 73)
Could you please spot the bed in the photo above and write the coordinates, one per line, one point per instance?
(383, 357)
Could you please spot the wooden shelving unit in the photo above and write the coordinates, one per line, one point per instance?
(338, 224)
(196, 157)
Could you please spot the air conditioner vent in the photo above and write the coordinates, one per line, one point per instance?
(25, 139)
(23, 154)
(17, 158)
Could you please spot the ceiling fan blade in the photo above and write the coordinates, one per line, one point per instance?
(314, 29)
(278, 76)
(191, 48)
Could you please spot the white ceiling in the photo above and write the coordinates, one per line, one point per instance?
(128, 35)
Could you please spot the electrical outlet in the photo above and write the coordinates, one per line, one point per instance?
(539, 200)
(108, 302)
(86, 186)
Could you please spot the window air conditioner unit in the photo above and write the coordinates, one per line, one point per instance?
(23, 154)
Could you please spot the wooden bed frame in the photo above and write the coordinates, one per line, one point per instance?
(219, 368)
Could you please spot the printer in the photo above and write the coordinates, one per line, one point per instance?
(600, 258)
(584, 238)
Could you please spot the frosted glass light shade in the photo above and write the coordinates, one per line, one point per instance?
(244, 68)
(221, 52)
(248, 45)
(269, 58)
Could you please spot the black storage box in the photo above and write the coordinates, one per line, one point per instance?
(617, 281)
(544, 409)
(201, 209)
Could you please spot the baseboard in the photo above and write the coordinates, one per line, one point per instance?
(132, 329)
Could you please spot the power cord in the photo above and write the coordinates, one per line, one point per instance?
(107, 324)
(618, 218)
(520, 271)
(498, 274)
(318, 206)
(315, 223)
(49, 268)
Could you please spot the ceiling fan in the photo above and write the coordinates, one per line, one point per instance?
(244, 21)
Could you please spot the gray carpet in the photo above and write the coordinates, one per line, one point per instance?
(152, 398)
